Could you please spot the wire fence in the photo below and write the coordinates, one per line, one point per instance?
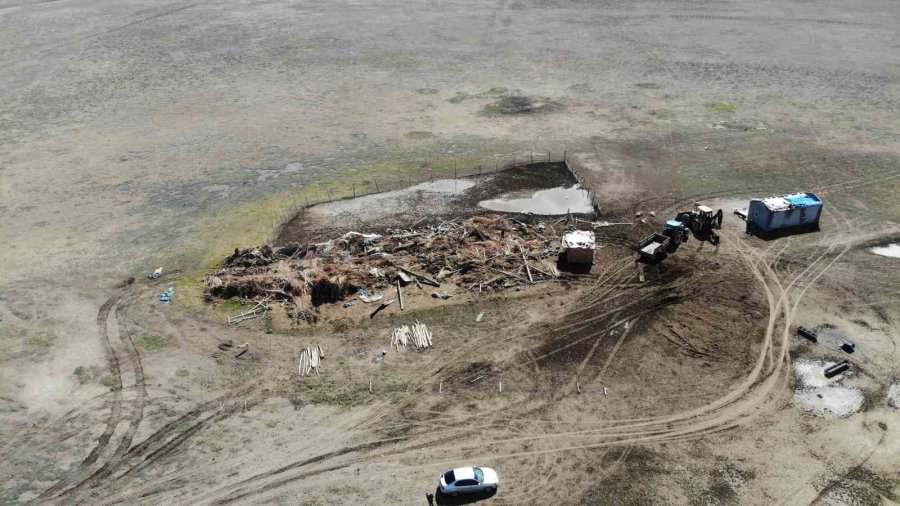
(381, 184)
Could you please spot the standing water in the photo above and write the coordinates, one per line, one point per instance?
(545, 202)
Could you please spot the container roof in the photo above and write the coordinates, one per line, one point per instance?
(785, 202)
(578, 239)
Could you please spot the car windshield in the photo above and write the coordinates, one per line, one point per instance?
(449, 477)
(479, 475)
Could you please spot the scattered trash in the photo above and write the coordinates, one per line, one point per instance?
(155, 274)
(479, 317)
(848, 347)
(310, 359)
(167, 295)
(370, 298)
(244, 349)
(418, 334)
(349, 303)
(442, 296)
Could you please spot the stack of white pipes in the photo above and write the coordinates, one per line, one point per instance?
(309, 360)
(418, 334)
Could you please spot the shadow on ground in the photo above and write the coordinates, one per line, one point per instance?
(445, 500)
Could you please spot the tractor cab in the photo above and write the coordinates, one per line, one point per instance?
(676, 232)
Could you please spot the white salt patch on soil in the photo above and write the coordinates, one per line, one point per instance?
(810, 373)
(893, 398)
(444, 186)
(889, 250)
(551, 202)
(830, 402)
(821, 396)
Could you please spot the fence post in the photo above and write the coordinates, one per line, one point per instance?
(376, 184)
(532, 154)
(548, 157)
(565, 158)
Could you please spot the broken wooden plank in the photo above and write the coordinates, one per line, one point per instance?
(424, 278)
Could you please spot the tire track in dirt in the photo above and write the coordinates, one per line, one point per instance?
(115, 411)
(715, 417)
(116, 370)
(137, 405)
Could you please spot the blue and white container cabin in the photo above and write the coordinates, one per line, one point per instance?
(774, 215)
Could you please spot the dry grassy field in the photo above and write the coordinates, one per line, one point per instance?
(141, 134)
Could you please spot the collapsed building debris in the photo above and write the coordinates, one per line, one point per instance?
(482, 253)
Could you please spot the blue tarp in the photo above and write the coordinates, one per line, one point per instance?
(805, 200)
(674, 224)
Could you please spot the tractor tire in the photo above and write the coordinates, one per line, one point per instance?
(714, 239)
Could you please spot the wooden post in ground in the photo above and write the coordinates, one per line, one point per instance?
(400, 296)
(376, 184)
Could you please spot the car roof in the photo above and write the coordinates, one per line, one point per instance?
(464, 473)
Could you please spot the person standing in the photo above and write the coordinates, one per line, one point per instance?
(430, 498)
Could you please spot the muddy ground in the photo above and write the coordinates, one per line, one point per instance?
(139, 135)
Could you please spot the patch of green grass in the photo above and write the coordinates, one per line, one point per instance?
(229, 306)
(85, 375)
(722, 106)
(419, 135)
(428, 91)
(19, 344)
(108, 381)
(39, 344)
(153, 342)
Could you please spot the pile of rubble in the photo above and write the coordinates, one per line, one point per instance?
(482, 253)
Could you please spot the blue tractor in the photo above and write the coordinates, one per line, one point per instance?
(677, 234)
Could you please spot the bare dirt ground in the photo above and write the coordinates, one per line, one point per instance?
(140, 134)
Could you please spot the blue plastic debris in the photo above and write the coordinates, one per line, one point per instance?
(167, 295)
(362, 291)
(349, 303)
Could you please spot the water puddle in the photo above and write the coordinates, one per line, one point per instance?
(453, 186)
(888, 250)
(545, 202)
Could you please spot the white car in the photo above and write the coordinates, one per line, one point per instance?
(464, 480)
